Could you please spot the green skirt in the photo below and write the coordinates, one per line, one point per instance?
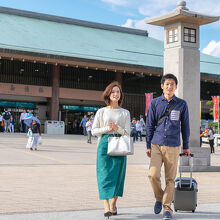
(110, 171)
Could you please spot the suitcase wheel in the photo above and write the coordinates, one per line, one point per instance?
(193, 210)
(176, 210)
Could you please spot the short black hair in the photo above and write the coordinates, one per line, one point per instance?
(168, 76)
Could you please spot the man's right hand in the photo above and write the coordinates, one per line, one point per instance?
(148, 152)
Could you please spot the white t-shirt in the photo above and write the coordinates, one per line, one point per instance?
(88, 126)
(211, 135)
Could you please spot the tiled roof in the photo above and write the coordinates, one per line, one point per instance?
(46, 34)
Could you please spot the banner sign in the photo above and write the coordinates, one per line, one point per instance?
(149, 97)
(17, 104)
(215, 108)
(80, 108)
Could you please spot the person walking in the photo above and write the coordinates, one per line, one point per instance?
(163, 141)
(89, 130)
(138, 130)
(22, 117)
(211, 139)
(35, 134)
(11, 125)
(6, 119)
(109, 121)
(83, 124)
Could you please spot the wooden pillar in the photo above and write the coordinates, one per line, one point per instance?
(54, 102)
(118, 77)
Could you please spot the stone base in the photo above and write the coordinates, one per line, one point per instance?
(201, 157)
(200, 162)
(201, 169)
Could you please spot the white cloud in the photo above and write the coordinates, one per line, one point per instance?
(152, 8)
(213, 48)
(116, 2)
(128, 23)
(134, 9)
(153, 31)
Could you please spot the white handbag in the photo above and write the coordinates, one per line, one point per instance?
(120, 146)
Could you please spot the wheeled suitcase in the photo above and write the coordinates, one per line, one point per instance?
(186, 188)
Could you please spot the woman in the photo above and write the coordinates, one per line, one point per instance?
(109, 121)
(211, 139)
(35, 128)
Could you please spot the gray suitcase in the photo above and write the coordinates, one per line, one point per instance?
(186, 188)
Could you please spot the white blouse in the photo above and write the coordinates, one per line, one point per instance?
(120, 116)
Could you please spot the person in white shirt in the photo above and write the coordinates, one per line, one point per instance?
(89, 130)
(22, 117)
(110, 121)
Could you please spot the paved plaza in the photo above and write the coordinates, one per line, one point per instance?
(59, 182)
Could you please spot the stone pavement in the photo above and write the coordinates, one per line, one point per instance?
(59, 182)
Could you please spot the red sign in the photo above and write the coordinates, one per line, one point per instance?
(149, 97)
(215, 108)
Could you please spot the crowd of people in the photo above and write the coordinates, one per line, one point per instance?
(27, 124)
(7, 121)
(167, 122)
(137, 128)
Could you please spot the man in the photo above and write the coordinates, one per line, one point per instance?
(22, 117)
(6, 119)
(163, 141)
(83, 124)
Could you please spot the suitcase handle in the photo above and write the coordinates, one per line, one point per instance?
(185, 154)
(191, 166)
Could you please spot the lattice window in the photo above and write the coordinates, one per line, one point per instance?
(189, 35)
(172, 35)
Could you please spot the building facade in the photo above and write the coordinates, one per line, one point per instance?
(59, 66)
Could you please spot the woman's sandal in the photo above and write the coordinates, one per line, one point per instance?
(115, 211)
(107, 214)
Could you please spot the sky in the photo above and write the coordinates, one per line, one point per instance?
(128, 13)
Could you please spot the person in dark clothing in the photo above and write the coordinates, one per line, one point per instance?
(133, 129)
(6, 119)
(211, 139)
(164, 143)
(35, 128)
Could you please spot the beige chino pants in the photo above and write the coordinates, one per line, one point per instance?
(169, 156)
